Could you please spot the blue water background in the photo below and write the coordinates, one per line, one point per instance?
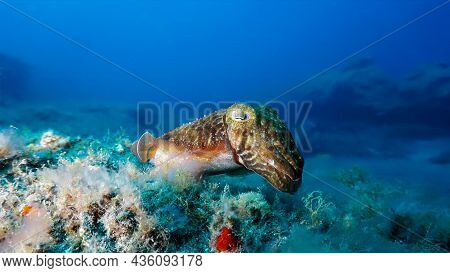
(68, 53)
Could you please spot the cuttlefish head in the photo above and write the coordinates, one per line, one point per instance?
(262, 143)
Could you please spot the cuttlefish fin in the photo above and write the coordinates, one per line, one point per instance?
(142, 148)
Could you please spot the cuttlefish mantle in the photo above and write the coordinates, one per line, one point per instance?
(242, 136)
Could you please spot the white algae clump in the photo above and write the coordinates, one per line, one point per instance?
(50, 140)
(32, 232)
(9, 145)
(83, 196)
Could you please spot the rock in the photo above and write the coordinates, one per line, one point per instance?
(53, 142)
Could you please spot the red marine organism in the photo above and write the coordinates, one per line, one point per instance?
(227, 241)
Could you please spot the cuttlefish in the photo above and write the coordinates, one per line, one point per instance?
(242, 136)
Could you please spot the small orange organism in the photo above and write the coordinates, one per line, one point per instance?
(26, 210)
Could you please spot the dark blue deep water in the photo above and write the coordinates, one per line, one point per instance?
(368, 83)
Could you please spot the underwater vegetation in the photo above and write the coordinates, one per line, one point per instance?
(69, 194)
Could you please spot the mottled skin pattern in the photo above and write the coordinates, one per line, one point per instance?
(264, 145)
(247, 136)
(207, 133)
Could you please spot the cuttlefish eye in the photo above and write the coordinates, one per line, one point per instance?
(239, 115)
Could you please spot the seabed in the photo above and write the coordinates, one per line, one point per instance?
(63, 193)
